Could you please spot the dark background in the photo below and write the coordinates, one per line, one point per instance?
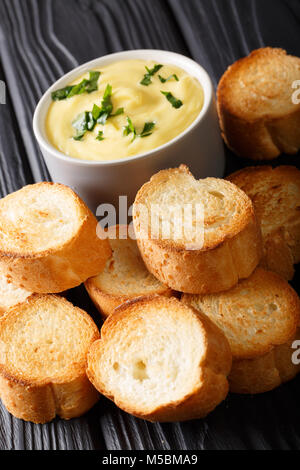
(40, 40)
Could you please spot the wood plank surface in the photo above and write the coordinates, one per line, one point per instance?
(42, 39)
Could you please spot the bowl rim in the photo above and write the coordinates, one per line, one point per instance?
(144, 54)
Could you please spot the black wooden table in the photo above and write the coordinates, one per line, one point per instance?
(42, 39)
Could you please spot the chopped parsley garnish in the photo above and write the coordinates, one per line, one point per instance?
(150, 72)
(174, 101)
(100, 136)
(84, 122)
(101, 114)
(92, 84)
(148, 127)
(164, 80)
(130, 129)
(85, 86)
(106, 104)
(87, 120)
(96, 111)
(118, 112)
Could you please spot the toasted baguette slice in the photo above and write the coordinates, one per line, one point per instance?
(43, 348)
(258, 117)
(218, 227)
(125, 275)
(275, 194)
(260, 317)
(10, 295)
(160, 360)
(48, 240)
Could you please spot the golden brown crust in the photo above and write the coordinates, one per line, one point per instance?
(260, 317)
(275, 193)
(197, 272)
(40, 399)
(124, 277)
(265, 373)
(212, 193)
(210, 386)
(107, 303)
(40, 404)
(63, 267)
(212, 269)
(10, 295)
(250, 126)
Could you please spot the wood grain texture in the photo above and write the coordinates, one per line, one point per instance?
(41, 40)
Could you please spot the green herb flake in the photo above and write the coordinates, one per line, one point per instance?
(100, 136)
(174, 101)
(164, 80)
(78, 89)
(92, 84)
(102, 119)
(85, 86)
(130, 129)
(102, 114)
(118, 112)
(80, 125)
(96, 111)
(106, 103)
(87, 120)
(150, 73)
(90, 121)
(61, 94)
(148, 128)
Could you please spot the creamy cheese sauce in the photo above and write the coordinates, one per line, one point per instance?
(141, 104)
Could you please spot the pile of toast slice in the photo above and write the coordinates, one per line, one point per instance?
(194, 295)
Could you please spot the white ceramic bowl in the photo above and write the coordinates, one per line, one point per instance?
(199, 146)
